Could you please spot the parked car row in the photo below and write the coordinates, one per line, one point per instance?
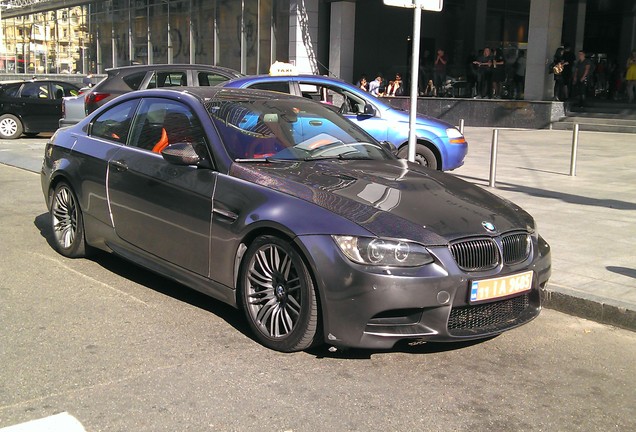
(32, 106)
(139, 77)
(279, 206)
(439, 145)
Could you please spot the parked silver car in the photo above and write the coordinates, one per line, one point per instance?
(128, 78)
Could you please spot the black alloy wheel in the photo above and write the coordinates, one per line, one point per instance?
(67, 222)
(278, 295)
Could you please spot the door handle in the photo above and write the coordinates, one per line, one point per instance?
(119, 165)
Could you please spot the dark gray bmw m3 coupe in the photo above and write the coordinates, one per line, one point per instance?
(281, 207)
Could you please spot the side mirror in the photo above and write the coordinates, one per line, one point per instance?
(181, 154)
(390, 148)
(369, 110)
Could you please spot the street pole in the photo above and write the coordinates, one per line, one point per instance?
(415, 62)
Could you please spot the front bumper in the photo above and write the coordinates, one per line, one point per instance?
(371, 307)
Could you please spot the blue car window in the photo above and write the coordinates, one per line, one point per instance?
(289, 129)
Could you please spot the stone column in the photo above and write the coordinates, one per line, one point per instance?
(544, 37)
(303, 35)
(341, 39)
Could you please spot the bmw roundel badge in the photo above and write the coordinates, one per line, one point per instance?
(488, 226)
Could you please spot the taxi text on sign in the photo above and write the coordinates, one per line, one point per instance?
(429, 5)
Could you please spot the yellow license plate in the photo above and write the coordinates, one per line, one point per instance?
(489, 289)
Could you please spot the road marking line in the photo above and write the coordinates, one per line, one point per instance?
(63, 422)
(57, 261)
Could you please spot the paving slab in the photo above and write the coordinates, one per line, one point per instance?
(588, 218)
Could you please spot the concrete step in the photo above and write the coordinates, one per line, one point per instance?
(595, 126)
(600, 116)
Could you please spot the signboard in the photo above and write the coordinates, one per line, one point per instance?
(428, 5)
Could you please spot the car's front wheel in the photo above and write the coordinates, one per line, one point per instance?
(423, 155)
(10, 127)
(67, 222)
(278, 295)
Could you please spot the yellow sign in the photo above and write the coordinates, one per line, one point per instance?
(489, 289)
(281, 68)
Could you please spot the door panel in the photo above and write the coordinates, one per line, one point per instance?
(162, 208)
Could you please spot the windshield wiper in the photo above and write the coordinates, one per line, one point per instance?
(252, 160)
(339, 156)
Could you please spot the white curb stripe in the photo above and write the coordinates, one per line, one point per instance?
(63, 422)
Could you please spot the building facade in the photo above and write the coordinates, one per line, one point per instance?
(344, 38)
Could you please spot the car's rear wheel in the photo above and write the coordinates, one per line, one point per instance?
(423, 155)
(67, 222)
(10, 127)
(278, 295)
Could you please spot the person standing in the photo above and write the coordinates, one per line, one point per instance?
(520, 74)
(439, 71)
(581, 75)
(630, 76)
(568, 64)
(375, 85)
(363, 83)
(557, 68)
(484, 76)
(498, 72)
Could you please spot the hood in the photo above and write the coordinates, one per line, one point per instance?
(391, 198)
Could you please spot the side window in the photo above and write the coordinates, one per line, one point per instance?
(61, 90)
(134, 80)
(11, 90)
(162, 122)
(69, 90)
(346, 102)
(114, 124)
(168, 79)
(281, 86)
(35, 90)
(209, 79)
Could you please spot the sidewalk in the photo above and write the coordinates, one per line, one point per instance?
(588, 219)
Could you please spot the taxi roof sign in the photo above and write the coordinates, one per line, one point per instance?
(428, 5)
(281, 68)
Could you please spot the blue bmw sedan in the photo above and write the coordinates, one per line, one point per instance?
(439, 145)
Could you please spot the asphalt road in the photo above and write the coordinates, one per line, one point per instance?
(122, 349)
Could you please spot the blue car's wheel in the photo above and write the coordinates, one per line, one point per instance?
(423, 156)
(278, 295)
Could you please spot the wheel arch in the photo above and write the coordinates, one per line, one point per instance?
(429, 145)
(284, 234)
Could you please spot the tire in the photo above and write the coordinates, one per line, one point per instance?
(423, 156)
(67, 223)
(278, 295)
(10, 127)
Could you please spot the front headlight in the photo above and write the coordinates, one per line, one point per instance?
(455, 136)
(383, 252)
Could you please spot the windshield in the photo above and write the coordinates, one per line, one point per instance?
(289, 129)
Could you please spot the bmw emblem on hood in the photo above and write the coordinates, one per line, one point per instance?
(489, 226)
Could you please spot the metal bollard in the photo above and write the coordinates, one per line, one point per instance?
(493, 157)
(575, 146)
(461, 126)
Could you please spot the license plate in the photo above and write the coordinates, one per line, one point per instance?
(489, 289)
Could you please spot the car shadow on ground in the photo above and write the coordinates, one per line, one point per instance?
(229, 314)
(155, 282)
